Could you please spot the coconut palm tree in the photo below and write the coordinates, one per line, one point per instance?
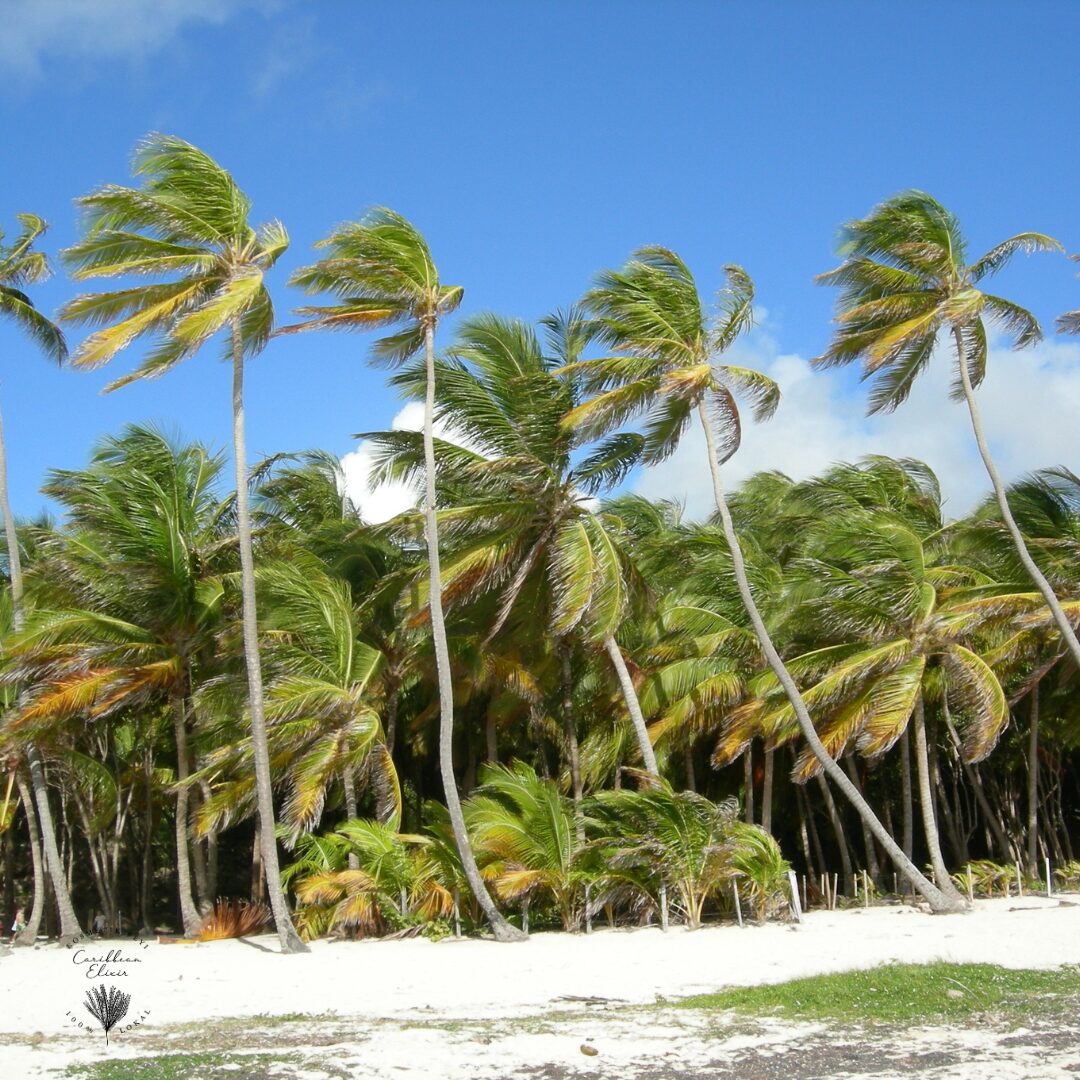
(129, 598)
(20, 266)
(381, 271)
(188, 224)
(668, 366)
(519, 504)
(903, 283)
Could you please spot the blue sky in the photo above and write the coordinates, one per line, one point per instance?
(536, 143)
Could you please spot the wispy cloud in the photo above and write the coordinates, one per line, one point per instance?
(36, 30)
(1029, 401)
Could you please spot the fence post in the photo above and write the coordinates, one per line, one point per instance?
(795, 905)
(738, 903)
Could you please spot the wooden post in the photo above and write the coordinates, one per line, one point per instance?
(805, 895)
(738, 903)
(795, 905)
(588, 913)
(835, 889)
(525, 915)
(1049, 885)
(1019, 879)
(970, 885)
(663, 908)
(457, 916)
(865, 890)
(894, 885)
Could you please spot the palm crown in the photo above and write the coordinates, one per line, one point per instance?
(382, 272)
(904, 279)
(20, 266)
(188, 224)
(651, 311)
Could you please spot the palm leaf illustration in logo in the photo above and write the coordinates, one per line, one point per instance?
(109, 1006)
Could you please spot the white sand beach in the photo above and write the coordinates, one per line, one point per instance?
(404, 1008)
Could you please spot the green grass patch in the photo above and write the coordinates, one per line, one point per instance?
(906, 994)
(184, 1067)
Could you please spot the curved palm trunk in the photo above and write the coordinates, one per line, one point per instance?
(748, 784)
(838, 831)
(1068, 635)
(290, 940)
(926, 802)
(905, 794)
(502, 930)
(1033, 783)
(937, 899)
(69, 924)
(633, 706)
(189, 913)
(33, 924)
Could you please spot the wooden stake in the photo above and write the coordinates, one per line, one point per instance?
(835, 889)
(738, 904)
(1019, 880)
(588, 913)
(663, 908)
(796, 906)
(970, 885)
(865, 890)
(1049, 885)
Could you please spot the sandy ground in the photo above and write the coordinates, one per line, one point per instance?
(475, 1009)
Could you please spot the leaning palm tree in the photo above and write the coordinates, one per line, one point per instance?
(668, 367)
(21, 265)
(188, 224)
(905, 280)
(381, 271)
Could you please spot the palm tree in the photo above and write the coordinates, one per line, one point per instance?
(520, 505)
(668, 365)
(188, 223)
(21, 265)
(128, 598)
(905, 280)
(381, 271)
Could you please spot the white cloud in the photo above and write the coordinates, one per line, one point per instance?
(103, 29)
(378, 504)
(1030, 405)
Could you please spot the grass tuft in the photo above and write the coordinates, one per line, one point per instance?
(904, 994)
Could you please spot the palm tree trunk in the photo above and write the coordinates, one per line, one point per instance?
(748, 783)
(502, 930)
(573, 752)
(33, 924)
(290, 940)
(766, 792)
(352, 811)
(1033, 781)
(145, 897)
(872, 867)
(838, 831)
(189, 913)
(633, 706)
(69, 924)
(938, 900)
(1068, 635)
(905, 794)
(926, 801)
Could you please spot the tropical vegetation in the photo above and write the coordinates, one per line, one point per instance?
(535, 700)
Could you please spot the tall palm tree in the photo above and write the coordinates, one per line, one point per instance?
(522, 514)
(668, 366)
(21, 265)
(903, 282)
(129, 601)
(188, 224)
(381, 271)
